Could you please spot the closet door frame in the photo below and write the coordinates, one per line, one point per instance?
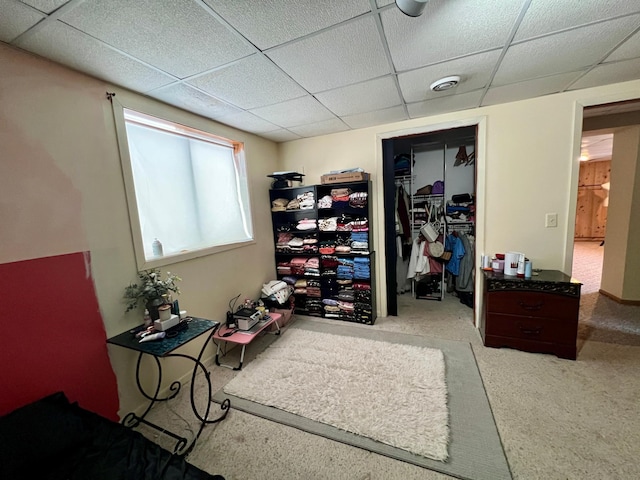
(385, 183)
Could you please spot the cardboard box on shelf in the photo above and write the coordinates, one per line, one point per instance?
(344, 177)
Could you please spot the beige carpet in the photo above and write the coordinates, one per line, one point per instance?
(558, 419)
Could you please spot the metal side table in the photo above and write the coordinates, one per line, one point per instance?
(183, 333)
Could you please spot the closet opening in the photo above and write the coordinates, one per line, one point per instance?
(429, 204)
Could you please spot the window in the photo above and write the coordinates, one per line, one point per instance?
(185, 187)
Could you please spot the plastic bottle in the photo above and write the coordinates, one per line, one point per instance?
(147, 318)
(156, 247)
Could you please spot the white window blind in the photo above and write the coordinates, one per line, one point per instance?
(190, 187)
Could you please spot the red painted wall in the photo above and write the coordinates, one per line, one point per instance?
(52, 336)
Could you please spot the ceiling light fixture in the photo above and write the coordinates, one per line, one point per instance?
(445, 83)
(412, 8)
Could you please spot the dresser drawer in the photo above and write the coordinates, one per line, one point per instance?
(533, 304)
(532, 328)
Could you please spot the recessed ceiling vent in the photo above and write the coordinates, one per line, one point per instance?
(445, 83)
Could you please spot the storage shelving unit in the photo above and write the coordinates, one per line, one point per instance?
(332, 264)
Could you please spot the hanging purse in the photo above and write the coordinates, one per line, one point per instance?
(429, 230)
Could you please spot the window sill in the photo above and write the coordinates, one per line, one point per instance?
(147, 264)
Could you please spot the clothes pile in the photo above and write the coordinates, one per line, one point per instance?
(277, 290)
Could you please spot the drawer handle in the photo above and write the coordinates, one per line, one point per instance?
(535, 306)
(530, 331)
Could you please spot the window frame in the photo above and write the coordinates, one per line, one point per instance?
(164, 113)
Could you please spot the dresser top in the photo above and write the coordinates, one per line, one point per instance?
(555, 276)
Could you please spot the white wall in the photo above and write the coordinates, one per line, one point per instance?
(527, 166)
(62, 191)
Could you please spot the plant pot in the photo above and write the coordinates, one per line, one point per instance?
(152, 306)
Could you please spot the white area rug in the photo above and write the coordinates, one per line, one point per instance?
(392, 393)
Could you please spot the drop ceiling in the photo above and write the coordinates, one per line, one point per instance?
(285, 69)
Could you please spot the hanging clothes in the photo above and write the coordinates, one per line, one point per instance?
(464, 281)
(418, 262)
(403, 223)
(454, 245)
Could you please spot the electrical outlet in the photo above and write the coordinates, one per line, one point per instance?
(551, 220)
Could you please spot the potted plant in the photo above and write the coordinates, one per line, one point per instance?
(152, 290)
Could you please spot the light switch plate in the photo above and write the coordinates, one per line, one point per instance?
(551, 220)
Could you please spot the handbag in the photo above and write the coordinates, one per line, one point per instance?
(428, 232)
(430, 229)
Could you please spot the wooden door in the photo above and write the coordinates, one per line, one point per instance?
(591, 211)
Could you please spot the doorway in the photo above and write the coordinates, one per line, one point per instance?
(592, 208)
(429, 179)
(622, 119)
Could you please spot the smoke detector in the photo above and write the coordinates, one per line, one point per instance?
(445, 83)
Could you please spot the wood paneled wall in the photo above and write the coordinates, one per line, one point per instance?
(591, 213)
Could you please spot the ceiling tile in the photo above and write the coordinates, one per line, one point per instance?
(249, 83)
(270, 23)
(280, 135)
(609, 73)
(188, 98)
(164, 37)
(451, 103)
(529, 88)
(67, 46)
(362, 97)
(46, 6)
(292, 113)
(546, 16)
(16, 19)
(629, 49)
(326, 127)
(248, 122)
(346, 54)
(572, 50)
(475, 72)
(379, 117)
(447, 29)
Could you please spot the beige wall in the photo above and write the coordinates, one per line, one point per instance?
(61, 191)
(527, 167)
(621, 264)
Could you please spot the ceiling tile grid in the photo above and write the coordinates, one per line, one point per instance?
(346, 54)
(267, 23)
(70, 47)
(629, 49)
(448, 30)
(325, 127)
(363, 97)
(369, 119)
(15, 19)
(573, 50)
(293, 113)
(194, 100)
(46, 6)
(179, 38)
(547, 16)
(288, 69)
(474, 71)
(251, 82)
(529, 88)
(451, 103)
(609, 73)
